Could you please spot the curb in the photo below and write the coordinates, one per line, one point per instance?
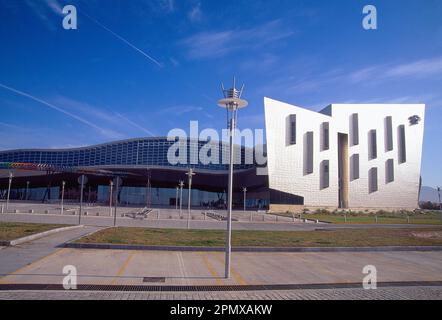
(107, 246)
(37, 236)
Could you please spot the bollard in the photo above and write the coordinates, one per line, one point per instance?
(263, 218)
(376, 219)
(17, 211)
(205, 215)
(345, 218)
(251, 216)
(408, 219)
(2, 208)
(317, 221)
(293, 217)
(31, 211)
(158, 214)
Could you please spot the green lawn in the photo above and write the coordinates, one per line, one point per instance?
(344, 238)
(364, 219)
(427, 217)
(14, 230)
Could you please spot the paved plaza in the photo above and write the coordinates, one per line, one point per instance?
(41, 262)
(392, 293)
(130, 267)
(171, 218)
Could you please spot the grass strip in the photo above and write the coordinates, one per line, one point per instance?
(245, 238)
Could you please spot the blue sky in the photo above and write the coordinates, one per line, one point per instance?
(142, 67)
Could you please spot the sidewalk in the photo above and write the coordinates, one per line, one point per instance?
(132, 267)
(14, 258)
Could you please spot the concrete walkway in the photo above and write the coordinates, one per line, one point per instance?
(194, 224)
(130, 267)
(14, 258)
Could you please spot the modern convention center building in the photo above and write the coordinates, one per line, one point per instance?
(344, 156)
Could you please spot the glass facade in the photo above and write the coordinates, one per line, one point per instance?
(145, 152)
(136, 152)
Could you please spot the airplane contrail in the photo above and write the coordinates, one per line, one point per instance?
(122, 39)
(50, 105)
(134, 124)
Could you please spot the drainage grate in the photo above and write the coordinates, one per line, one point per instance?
(174, 288)
(154, 279)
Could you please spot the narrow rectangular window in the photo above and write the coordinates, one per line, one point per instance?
(373, 180)
(354, 129)
(292, 128)
(372, 145)
(354, 167)
(325, 136)
(402, 156)
(308, 153)
(388, 134)
(389, 171)
(325, 174)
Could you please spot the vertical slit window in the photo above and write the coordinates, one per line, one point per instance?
(389, 171)
(292, 128)
(372, 145)
(373, 180)
(354, 167)
(325, 174)
(402, 156)
(308, 153)
(388, 134)
(354, 129)
(325, 136)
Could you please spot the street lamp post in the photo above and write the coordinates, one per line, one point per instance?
(27, 190)
(117, 185)
(181, 184)
(190, 174)
(245, 192)
(440, 204)
(82, 180)
(9, 191)
(231, 102)
(62, 197)
(176, 198)
(111, 187)
(148, 191)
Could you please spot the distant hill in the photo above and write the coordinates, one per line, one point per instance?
(429, 194)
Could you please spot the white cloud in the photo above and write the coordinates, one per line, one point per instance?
(108, 133)
(370, 75)
(213, 44)
(195, 14)
(180, 110)
(113, 119)
(135, 125)
(420, 68)
(43, 13)
(55, 6)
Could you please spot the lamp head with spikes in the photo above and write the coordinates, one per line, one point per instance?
(232, 97)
